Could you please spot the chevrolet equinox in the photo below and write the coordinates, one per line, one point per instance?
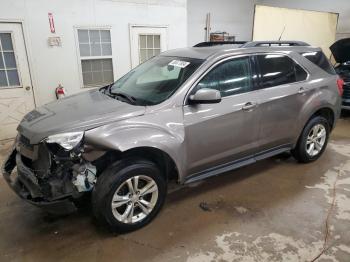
(186, 114)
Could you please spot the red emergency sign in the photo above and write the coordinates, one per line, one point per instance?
(52, 24)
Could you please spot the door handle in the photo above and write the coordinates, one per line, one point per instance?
(249, 106)
(27, 88)
(302, 90)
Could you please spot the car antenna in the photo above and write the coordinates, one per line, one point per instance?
(284, 28)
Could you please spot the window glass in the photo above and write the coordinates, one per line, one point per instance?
(97, 72)
(319, 59)
(95, 53)
(149, 46)
(231, 77)
(157, 74)
(300, 73)
(278, 70)
(8, 66)
(157, 79)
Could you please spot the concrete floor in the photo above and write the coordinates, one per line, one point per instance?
(271, 211)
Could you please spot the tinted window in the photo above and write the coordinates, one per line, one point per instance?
(278, 70)
(319, 59)
(300, 73)
(230, 78)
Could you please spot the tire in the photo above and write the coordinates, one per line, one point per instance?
(303, 151)
(114, 185)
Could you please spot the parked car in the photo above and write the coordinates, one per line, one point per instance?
(187, 114)
(341, 54)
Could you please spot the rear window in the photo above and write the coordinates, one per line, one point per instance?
(319, 59)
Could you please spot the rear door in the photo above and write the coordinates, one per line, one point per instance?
(283, 93)
(16, 95)
(226, 131)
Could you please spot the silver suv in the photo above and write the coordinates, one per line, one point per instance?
(185, 115)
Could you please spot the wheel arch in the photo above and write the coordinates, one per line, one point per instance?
(162, 159)
(326, 111)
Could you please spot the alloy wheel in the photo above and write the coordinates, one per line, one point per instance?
(134, 199)
(316, 140)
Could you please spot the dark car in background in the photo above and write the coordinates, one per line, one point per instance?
(341, 53)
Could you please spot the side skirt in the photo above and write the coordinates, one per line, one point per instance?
(214, 171)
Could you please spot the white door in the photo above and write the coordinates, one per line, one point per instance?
(147, 42)
(16, 94)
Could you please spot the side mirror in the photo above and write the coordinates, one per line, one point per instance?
(205, 96)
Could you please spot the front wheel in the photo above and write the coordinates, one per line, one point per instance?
(313, 140)
(128, 195)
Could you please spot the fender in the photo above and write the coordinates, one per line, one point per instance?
(319, 99)
(136, 135)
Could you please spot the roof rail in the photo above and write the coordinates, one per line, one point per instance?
(274, 43)
(207, 44)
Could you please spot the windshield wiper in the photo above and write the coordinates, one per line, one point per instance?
(131, 99)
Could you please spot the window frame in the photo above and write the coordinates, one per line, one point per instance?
(253, 71)
(258, 69)
(80, 58)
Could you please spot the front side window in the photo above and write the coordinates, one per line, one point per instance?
(155, 80)
(230, 78)
(276, 69)
(95, 51)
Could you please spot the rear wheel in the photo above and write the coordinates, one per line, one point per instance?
(129, 195)
(313, 140)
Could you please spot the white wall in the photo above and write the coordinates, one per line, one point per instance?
(236, 16)
(232, 16)
(337, 6)
(53, 65)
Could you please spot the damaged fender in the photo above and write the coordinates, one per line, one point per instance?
(124, 138)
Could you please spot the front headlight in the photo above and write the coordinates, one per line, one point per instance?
(66, 140)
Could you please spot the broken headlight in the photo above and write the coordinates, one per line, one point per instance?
(66, 140)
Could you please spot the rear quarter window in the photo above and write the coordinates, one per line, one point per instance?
(319, 59)
(276, 69)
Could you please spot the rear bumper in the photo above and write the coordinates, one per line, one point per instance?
(26, 186)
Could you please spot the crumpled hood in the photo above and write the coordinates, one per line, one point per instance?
(79, 112)
(341, 50)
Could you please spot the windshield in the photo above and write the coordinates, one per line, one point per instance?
(155, 80)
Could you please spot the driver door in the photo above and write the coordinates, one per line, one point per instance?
(226, 131)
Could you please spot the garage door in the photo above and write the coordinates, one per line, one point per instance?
(16, 94)
(315, 28)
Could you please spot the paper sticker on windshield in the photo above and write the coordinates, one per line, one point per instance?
(179, 63)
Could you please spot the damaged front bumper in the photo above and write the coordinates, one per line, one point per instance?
(25, 183)
(26, 186)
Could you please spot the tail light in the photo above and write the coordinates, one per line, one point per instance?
(340, 84)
